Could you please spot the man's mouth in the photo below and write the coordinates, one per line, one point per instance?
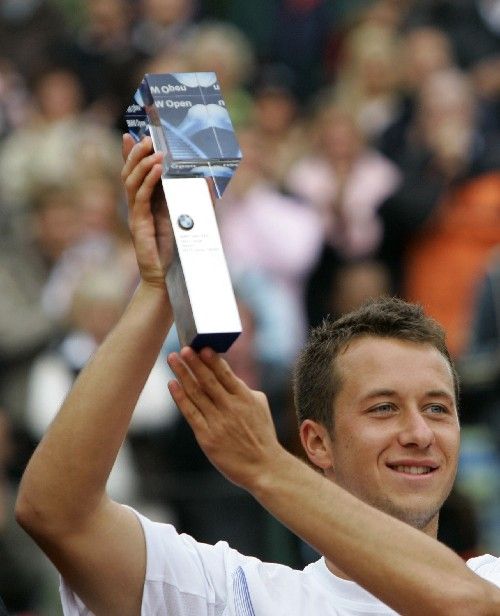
(412, 469)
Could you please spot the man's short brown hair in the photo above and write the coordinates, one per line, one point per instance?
(317, 379)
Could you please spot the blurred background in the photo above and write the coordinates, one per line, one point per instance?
(371, 140)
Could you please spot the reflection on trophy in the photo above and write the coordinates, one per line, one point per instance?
(188, 121)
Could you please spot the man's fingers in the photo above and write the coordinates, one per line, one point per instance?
(206, 377)
(148, 184)
(133, 152)
(221, 369)
(127, 145)
(190, 385)
(189, 410)
(136, 157)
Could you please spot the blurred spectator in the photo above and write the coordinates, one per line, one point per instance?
(162, 24)
(355, 283)
(390, 14)
(98, 301)
(300, 40)
(271, 233)
(345, 181)
(473, 26)
(368, 79)
(26, 260)
(14, 98)
(26, 576)
(277, 120)
(25, 263)
(479, 365)
(55, 223)
(474, 30)
(424, 50)
(459, 525)
(32, 35)
(101, 238)
(105, 60)
(444, 220)
(296, 33)
(57, 145)
(98, 199)
(479, 368)
(225, 50)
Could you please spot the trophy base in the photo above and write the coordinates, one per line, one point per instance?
(218, 342)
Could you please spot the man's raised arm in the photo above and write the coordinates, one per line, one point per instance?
(98, 545)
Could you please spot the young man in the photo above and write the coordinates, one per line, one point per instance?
(377, 404)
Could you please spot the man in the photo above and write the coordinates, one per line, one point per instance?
(380, 421)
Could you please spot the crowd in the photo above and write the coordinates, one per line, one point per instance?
(370, 132)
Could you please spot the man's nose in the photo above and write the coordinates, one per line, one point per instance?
(415, 429)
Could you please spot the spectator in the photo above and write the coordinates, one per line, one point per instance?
(424, 50)
(162, 24)
(26, 576)
(442, 223)
(25, 263)
(97, 303)
(274, 234)
(57, 145)
(345, 181)
(103, 56)
(222, 48)
(101, 239)
(367, 82)
(472, 26)
(278, 120)
(32, 35)
(14, 98)
(479, 367)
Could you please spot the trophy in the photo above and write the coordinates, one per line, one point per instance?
(187, 119)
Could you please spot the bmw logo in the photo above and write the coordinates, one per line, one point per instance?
(185, 222)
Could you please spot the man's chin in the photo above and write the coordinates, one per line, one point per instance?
(420, 515)
(421, 519)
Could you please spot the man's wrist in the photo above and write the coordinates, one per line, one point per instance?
(154, 297)
(276, 469)
(154, 288)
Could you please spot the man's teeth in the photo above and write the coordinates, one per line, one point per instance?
(413, 470)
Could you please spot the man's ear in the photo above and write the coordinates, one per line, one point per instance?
(317, 444)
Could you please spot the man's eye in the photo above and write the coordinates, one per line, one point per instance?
(382, 408)
(437, 409)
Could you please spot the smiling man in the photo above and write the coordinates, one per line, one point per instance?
(379, 389)
(376, 397)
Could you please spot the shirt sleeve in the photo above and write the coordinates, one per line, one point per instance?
(183, 577)
(71, 604)
(487, 567)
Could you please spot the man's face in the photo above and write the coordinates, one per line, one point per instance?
(396, 432)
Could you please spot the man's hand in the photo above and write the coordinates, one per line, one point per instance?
(147, 210)
(231, 422)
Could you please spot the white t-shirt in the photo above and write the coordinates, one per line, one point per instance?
(188, 578)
